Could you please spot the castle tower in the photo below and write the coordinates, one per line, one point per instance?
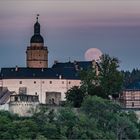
(37, 53)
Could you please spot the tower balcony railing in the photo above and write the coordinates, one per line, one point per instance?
(36, 48)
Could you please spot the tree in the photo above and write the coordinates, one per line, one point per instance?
(98, 118)
(89, 80)
(75, 96)
(110, 118)
(110, 78)
(90, 83)
(107, 82)
(123, 127)
(67, 120)
(25, 129)
(97, 107)
(131, 79)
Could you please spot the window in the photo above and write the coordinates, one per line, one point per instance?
(35, 93)
(20, 82)
(50, 82)
(22, 90)
(62, 82)
(132, 104)
(69, 82)
(43, 82)
(34, 82)
(16, 98)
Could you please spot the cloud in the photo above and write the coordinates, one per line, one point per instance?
(67, 14)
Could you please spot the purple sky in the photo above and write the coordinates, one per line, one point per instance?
(70, 27)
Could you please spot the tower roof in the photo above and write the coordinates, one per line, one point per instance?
(37, 38)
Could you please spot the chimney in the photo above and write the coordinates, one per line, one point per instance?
(75, 62)
(16, 69)
(60, 76)
(55, 61)
(76, 67)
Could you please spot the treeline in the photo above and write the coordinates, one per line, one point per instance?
(131, 79)
(97, 118)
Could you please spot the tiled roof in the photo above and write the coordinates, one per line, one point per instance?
(63, 65)
(135, 85)
(4, 95)
(76, 64)
(67, 70)
(84, 64)
(36, 73)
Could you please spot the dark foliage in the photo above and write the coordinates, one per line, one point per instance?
(131, 79)
(96, 119)
(75, 96)
(107, 82)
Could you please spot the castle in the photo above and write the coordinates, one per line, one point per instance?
(49, 84)
(23, 88)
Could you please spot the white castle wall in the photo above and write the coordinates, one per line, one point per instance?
(41, 86)
(23, 108)
(4, 107)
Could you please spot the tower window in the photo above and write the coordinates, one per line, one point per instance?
(20, 82)
(34, 82)
(50, 82)
(69, 82)
(62, 82)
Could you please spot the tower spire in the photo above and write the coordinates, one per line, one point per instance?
(37, 26)
(37, 53)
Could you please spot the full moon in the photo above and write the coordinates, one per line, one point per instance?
(93, 54)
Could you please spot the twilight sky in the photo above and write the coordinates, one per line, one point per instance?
(69, 28)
